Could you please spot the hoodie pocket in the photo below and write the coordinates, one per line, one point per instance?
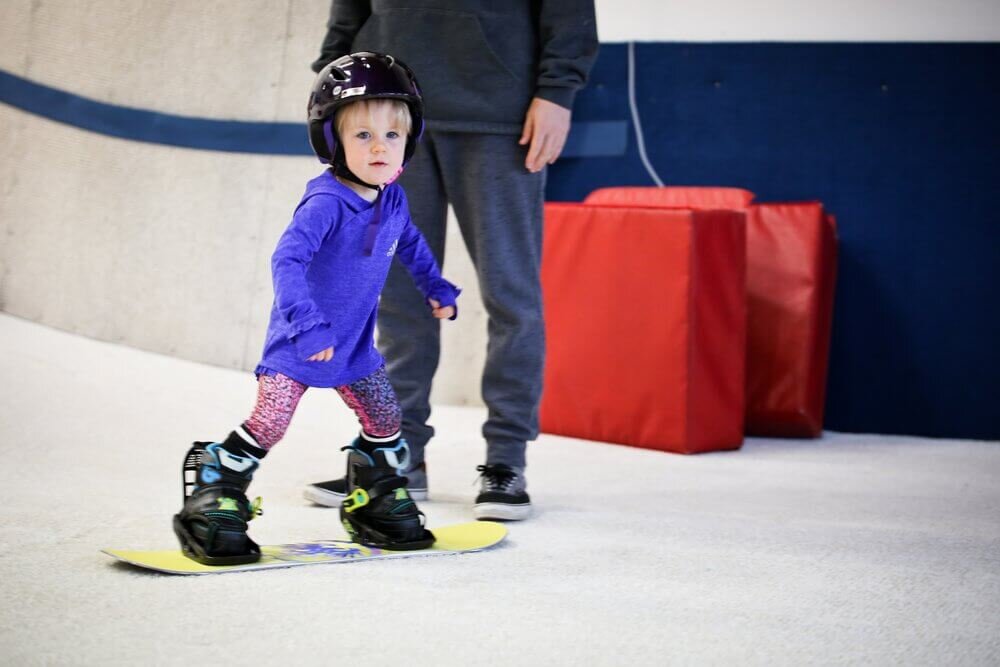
(461, 75)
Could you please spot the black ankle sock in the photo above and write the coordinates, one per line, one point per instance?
(236, 444)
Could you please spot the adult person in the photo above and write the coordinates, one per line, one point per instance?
(498, 80)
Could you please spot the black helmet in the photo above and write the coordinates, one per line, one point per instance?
(354, 77)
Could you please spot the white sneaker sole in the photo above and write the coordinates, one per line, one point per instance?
(331, 499)
(501, 511)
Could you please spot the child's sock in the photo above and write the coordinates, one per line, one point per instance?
(370, 442)
(241, 442)
(391, 449)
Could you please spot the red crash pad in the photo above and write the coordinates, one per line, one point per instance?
(645, 316)
(791, 270)
(694, 197)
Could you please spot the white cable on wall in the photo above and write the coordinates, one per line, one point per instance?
(635, 116)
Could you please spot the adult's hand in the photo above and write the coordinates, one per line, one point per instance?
(545, 127)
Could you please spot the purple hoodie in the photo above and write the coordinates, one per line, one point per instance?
(326, 287)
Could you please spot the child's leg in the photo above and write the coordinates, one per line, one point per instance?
(374, 402)
(378, 510)
(277, 397)
(380, 415)
(212, 525)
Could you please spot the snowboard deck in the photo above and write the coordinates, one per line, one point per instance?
(454, 539)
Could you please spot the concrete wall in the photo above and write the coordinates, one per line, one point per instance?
(167, 249)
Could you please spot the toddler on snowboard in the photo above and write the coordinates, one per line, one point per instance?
(365, 118)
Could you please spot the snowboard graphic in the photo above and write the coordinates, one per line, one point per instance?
(455, 539)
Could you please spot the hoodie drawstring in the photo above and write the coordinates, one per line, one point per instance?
(374, 223)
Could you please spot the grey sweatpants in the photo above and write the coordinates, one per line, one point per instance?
(498, 204)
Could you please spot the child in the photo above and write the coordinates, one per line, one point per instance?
(365, 117)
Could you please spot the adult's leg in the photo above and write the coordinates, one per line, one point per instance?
(408, 335)
(499, 208)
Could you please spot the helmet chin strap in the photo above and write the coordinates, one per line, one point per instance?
(342, 170)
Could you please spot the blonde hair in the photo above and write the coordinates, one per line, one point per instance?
(367, 107)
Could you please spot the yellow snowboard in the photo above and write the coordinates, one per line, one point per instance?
(459, 538)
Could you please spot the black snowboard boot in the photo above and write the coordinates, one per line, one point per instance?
(378, 510)
(212, 525)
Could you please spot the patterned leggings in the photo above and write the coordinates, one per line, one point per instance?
(371, 398)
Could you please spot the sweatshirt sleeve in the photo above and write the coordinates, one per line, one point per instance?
(346, 19)
(308, 329)
(418, 259)
(568, 36)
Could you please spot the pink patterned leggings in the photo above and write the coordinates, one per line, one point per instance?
(372, 399)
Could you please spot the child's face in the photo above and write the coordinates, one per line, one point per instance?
(374, 141)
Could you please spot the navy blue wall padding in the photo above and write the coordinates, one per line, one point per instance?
(902, 143)
(599, 138)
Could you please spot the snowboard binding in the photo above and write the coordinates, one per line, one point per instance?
(378, 510)
(212, 524)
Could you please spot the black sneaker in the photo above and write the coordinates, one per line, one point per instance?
(502, 494)
(333, 492)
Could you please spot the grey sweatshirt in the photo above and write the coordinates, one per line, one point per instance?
(478, 62)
